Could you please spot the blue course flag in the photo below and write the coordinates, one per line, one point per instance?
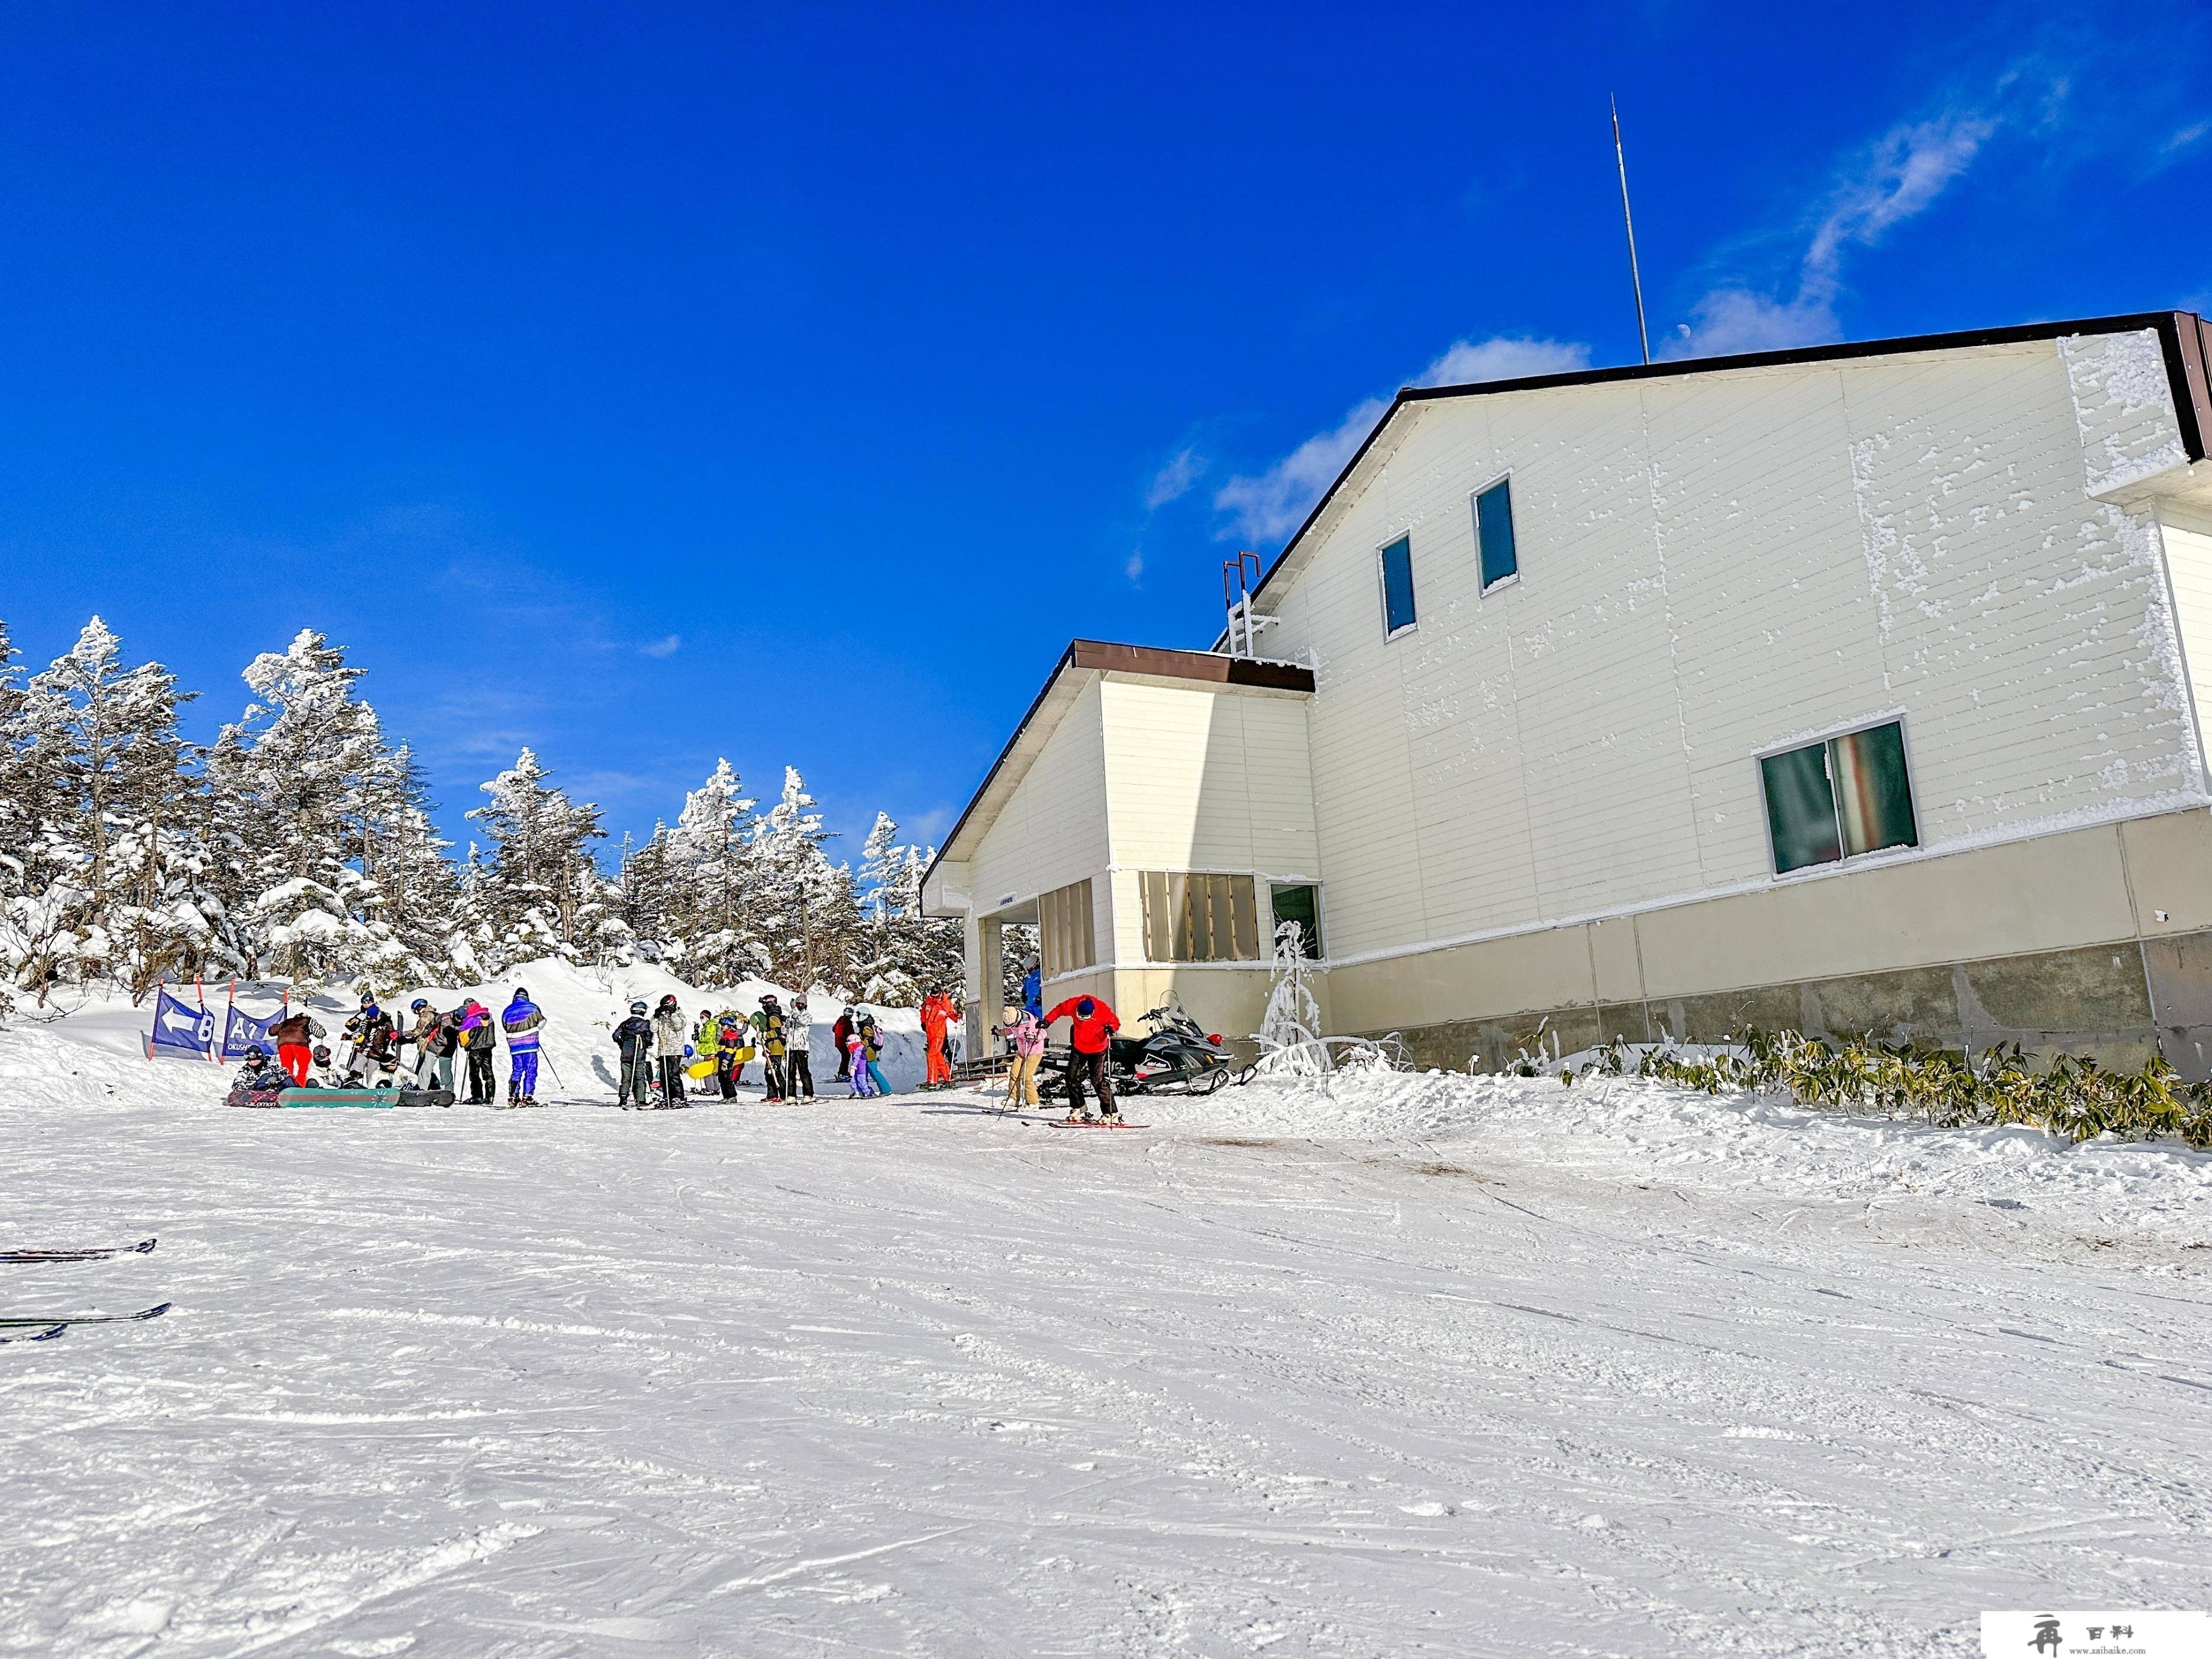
(180, 1025)
(242, 1031)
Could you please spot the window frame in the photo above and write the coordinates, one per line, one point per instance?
(1383, 588)
(1895, 717)
(1485, 589)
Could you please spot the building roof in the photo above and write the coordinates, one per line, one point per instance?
(2185, 337)
(1198, 669)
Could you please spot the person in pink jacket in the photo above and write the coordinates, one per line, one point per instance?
(1026, 1037)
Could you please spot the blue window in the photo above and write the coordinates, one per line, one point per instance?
(1398, 586)
(1493, 529)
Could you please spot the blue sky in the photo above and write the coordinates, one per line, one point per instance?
(647, 385)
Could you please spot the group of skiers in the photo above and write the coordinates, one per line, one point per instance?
(376, 1041)
(664, 1046)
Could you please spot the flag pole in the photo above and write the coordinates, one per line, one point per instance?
(1628, 219)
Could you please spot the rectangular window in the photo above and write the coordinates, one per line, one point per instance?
(1493, 533)
(1836, 800)
(1191, 918)
(1300, 902)
(1064, 929)
(1397, 560)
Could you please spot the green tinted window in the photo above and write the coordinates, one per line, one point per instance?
(1493, 529)
(1398, 585)
(1801, 809)
(1301, 904)
(1836, 800)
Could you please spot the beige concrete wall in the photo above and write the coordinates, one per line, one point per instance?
(2058, 900)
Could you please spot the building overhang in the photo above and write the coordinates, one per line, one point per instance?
(1083, 662)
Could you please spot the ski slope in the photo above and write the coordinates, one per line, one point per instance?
(1394, 1365)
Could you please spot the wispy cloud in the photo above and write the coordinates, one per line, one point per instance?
(1901, 174)
(1266, 507)
(1174, 481)
(666, 648)
(1133, 566)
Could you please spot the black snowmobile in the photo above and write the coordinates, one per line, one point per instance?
(1177, 1056)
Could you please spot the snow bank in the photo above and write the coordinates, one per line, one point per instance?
(1635, 1129)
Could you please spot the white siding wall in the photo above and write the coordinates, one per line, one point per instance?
(1711, 566)
(1052, 829)
(1204, 780)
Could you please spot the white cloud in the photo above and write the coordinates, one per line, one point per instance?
(1173, 482)
(1503, 358)
(1267, 507)
(1901, 174)
(2187, 137)
(1133, 566)
(666, 648)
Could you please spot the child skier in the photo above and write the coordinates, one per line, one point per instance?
(856, 1064)
(633, 1037)
(1026, 1038)
(872, 1050)
(841, 1037)
(521, 1019)
(798, 1040)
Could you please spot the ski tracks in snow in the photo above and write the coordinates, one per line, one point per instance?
(865, 1378)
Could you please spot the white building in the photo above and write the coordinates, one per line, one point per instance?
(1848, 689)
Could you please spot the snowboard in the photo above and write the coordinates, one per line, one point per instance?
(370, 1097)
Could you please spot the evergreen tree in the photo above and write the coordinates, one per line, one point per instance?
(539, 893)
(713, 883)
(109, 865)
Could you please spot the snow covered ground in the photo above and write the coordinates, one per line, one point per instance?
(1394, 1365)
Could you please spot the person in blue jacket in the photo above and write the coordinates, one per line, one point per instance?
(1033, 988)
(520, 1020)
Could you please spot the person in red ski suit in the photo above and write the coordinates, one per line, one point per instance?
(936, 1017)
(1091, 1028)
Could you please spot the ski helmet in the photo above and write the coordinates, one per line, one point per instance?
(637, 1007)
(368, 999)
(669, 1001)
(522, 994)
(768, 1001)
(418, 1005)
(798, 1002)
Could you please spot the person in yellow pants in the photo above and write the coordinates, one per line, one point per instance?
(1026, 1037)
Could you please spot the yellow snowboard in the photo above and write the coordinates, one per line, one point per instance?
(699, 1068)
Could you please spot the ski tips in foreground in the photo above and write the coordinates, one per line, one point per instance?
(102, 1253)
(59, 1321)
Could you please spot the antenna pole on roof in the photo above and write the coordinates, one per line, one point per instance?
(1634, 276)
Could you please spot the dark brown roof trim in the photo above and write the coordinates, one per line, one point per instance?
(2185, 337)
(1202, 666)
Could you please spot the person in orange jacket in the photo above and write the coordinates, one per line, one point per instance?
(1092, 1023)
(937, 1017)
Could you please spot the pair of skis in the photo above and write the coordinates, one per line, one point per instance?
(45, 1327)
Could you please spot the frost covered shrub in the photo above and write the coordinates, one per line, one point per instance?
(2072, 1096)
